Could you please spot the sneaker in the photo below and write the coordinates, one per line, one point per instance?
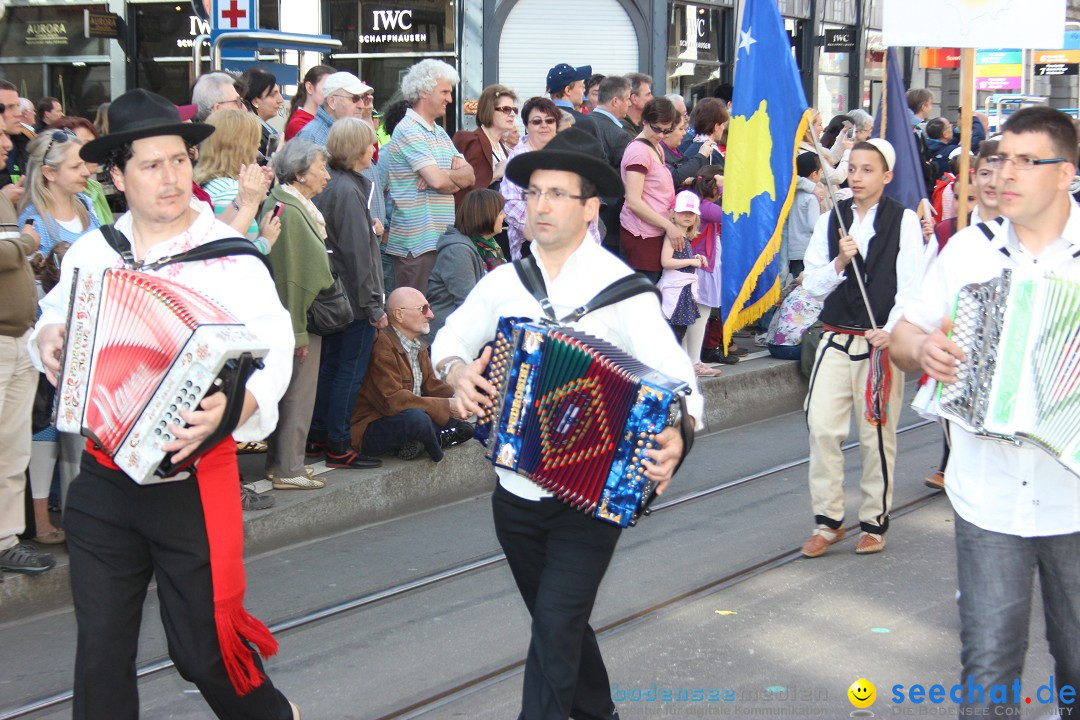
(870, 543)
(350, 459)
(762, 339)
(935, 481)
(314, 448)
(251, 500)
(24, 559)
(714, 355)
(251, 447)
(462, 432)
(410, 450)
(302, 482)
(820, 541)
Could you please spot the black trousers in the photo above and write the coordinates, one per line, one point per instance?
(119, 535)
(558, 557)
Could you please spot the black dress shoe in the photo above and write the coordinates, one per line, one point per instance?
(346, 457)
(714, 355)
(462, 432)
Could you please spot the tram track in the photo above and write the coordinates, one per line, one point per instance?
(483, 680)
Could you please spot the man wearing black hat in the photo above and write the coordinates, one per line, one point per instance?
(187, 533)
(557, 554)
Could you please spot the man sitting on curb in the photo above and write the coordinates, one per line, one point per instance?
(402, 406)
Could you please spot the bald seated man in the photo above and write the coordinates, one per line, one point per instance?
(402, 407)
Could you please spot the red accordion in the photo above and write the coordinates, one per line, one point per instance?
(139, 350)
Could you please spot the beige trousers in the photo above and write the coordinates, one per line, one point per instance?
(285, 446)
(18, 383)
(837, 388)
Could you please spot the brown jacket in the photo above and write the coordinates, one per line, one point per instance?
(388, 383)
(18, 295)
(476, 147)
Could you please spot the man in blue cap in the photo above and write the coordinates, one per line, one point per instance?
(566, 85)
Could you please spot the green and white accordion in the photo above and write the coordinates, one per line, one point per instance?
(1020, 380)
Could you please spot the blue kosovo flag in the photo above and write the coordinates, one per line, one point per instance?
(908, 186)
(769, 118)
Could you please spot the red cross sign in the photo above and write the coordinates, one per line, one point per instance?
(233, 14)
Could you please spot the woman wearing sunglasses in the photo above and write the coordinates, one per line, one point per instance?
(541, 117)
(650, 192)
(485, 148)
(55, 198)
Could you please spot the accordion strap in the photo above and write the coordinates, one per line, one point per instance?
(223, 247)
(623, 288)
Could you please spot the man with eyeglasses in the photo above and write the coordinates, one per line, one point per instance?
(402, 406)
(1015, 506)
(557, 554)
(344, 95)
(215, 91)
(15, 159)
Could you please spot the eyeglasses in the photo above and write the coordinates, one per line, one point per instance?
(11, 106)
(238, 102)
(660, 131)
(1020, 162)
(354, 99)
(555, 197)
(538, 121)
(508, 109)
(57, 136)
(422, 309)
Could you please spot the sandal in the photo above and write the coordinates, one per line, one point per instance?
(53, 537)
(251, 447)
(703, 370)
(302, 482)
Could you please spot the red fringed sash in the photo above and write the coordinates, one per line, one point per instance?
(219, 479)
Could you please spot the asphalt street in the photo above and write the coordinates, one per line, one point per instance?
(706, 594)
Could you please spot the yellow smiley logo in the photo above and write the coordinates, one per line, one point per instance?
(862, 693)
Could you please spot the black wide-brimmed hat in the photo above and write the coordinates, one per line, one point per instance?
(572, 150)
(139, 114)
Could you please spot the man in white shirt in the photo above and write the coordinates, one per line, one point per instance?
(186, 533)
(1016, 507)
(852, 370)
(557, 554)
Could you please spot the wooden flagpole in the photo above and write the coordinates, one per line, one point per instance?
(967, 106)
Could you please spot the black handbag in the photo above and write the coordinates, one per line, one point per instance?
(330, 311)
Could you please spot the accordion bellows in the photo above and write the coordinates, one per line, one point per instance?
(1021, 378)
(575, 414)
(139, 350)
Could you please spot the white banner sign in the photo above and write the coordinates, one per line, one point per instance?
(974, 23)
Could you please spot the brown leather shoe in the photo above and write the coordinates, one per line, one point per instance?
(935, 481)
(870, 543)
(820, 541)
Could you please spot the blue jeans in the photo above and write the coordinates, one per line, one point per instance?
(345, 357)
(786, 352)
(996, 575)
(387, 434)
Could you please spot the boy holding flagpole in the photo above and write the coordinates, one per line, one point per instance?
(862, 261)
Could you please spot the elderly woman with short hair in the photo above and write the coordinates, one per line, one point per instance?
(301, 271)
(352, 237)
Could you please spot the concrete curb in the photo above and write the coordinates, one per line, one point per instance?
(752, 390)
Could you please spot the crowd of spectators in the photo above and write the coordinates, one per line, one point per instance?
(337, 194)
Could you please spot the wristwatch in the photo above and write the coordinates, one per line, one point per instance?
(447, 365)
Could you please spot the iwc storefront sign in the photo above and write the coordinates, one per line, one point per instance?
(694, 32)
(418, 25)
